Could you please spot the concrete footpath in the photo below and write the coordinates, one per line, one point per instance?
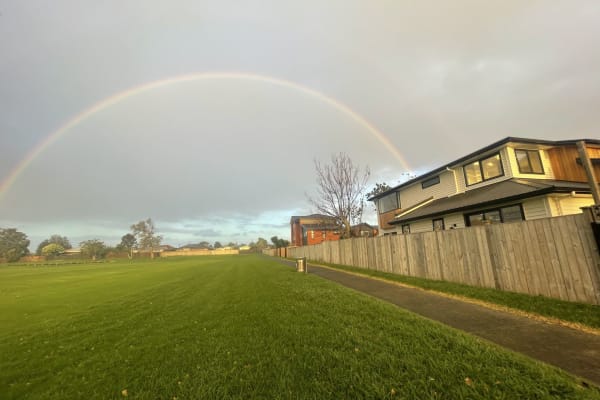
(569, 349)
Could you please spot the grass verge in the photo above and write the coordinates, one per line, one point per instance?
(238, 327)
(578, 313)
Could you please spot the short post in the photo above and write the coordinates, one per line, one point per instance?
(301, 265)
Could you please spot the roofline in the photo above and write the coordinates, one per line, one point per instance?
(489, 147)
(539, 192)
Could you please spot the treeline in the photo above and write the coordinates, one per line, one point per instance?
(14, 244)
(141, 240)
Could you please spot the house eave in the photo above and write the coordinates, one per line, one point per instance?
(508, 199)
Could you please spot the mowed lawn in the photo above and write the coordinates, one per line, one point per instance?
(237, 327)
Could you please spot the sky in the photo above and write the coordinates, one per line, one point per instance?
(207, 116)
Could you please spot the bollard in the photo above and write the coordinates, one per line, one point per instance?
(301, 265)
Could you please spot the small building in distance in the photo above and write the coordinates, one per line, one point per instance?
(364, 230)
(313, 229)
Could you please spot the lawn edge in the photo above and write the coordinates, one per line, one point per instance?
(492, 306)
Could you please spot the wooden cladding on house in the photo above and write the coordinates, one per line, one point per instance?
(564, 163)
(385, 218)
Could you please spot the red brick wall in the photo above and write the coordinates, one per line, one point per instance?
(318, 236)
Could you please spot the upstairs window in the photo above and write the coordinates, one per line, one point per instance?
(389, 203)
(529, 161)
(430, 182)
(483, 169)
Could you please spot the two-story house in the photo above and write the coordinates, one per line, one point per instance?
(514, 179)
(313, 229)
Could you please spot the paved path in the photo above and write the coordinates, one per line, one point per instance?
(573, 351)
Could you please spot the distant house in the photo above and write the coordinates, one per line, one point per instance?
(73, 252)
(513, 179)
(313, 229)
(364, 230)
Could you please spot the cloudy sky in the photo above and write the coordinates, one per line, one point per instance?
(227, 153)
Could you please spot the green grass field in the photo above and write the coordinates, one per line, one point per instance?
(237, 327)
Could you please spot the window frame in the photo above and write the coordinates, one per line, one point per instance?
(435, 180)
(379, 208)
(483, 178)
(527, 152)
(433, 224)
(489, 210)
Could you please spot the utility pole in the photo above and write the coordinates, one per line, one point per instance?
(589, 171)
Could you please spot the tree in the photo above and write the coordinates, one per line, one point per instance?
(128, 242)
(377, 189)
(93, 248)
(56, 239)
(261, 244)
(13, 244)
(143, 231)
(217, 245)
(340, 191)
(279, 242)
(204, 245)
(52, 250)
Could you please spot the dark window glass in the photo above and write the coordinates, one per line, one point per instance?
(389, 203)
(430, 182)
(475, 219)
(511, 214)
(529, 161)
(496, 215)
(493, 216)
(438, 224)
(406, 228)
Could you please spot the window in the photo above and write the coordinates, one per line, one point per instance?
(405, 229)
(430, 182)
(389, 203)
(438, 224)
(529, 161)
(496, 215)
(483, 169)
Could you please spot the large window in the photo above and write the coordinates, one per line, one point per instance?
(495, 215)
(389, 202)
(529, 161)
(483, 169)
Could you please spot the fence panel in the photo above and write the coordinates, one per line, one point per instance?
(555, 257)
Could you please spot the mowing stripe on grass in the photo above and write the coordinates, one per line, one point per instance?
(237, 327)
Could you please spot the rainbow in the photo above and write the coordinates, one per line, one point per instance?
(137, 90)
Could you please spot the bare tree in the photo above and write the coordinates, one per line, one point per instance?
(340, 191)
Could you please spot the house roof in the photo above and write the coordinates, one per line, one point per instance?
(322, 227)
(489, 147)
(363, 225)
(505, 191)
(312, 216)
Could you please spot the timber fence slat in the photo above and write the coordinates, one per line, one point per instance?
(553, 279)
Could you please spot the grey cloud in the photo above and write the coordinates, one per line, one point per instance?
(234, 158)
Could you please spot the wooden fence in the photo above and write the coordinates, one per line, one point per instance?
(555, 257)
